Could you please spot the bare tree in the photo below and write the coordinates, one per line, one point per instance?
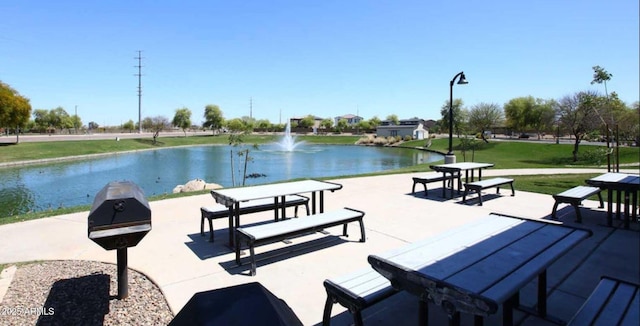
(159, 123)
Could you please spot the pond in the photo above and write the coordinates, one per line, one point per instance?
(73, 183)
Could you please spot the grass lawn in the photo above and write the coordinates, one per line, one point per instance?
(504, 154)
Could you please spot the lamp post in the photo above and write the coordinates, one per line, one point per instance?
(450, 157)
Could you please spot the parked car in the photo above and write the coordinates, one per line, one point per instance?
(525, 136)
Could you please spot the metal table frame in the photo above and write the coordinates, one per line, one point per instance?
(457, 168)
(232, 197)
(628, 184)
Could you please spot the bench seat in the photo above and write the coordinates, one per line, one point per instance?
(478, 186)
(254, 206)
(272, 232)
(433, 177)
(575, 196)
(612, 302)
(356, 291)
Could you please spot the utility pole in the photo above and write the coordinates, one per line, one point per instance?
(139, 74)
(250, 108)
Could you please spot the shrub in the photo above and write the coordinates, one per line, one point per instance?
(380, 141)
(407, 138)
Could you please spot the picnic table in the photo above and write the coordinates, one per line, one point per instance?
(457, 168)
(479, 266)
(232, 198)
(629, 184)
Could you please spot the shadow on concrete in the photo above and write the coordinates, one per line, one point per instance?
(77, 301)
(283, 253)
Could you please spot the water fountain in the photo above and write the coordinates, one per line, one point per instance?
(288, 142)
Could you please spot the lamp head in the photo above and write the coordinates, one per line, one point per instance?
(462, 80)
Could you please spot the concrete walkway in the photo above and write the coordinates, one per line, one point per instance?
(182, 262)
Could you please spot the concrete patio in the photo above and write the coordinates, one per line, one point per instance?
(182, 262)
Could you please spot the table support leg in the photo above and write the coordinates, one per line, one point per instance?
(507, 312)
(283, 208)
(423, 312)
(321, 201)
(618, 202)
(626, 209)
(275, 211)
(313, 202)
(236, 214)
(634, 206)
(609, 207)
(542, 294)
(231, 217)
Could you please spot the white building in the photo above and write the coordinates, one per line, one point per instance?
(412, 127)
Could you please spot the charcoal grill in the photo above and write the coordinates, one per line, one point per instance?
(119, 218)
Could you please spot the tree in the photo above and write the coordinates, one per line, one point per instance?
(147, 123)
(307, 122)
(182, 119)
(158, 124)
(517, 111)
(213, 118)
(393, 118)
(601, 76)
(326, 123)
(364, 125)
(483, 116)
(41, 119)
(374, 122)
(578, 113)
(129, 125)
(542, 116)
(264, 124)
(235, 125)
(93, 125)
(76, 121)
(341, 125)
(15, 109)
(459, 116)
(60, 119)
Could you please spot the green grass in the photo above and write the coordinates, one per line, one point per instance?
(518, 155)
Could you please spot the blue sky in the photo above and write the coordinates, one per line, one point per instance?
(325, 58)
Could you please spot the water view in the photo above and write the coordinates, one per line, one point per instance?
(43, 187)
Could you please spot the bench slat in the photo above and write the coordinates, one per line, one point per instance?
(488, 183)
(219, 211)
(612, 302)
(579, 192)
(269, 230)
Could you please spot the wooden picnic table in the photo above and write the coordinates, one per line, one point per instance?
(232, 197)
(479, 266)
(629, 184)
(457, 168)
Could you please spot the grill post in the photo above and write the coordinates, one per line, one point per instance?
(123, 276)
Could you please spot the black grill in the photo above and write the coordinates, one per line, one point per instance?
(119, 218)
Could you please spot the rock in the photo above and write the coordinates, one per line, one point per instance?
(210, 186)
(193, 185)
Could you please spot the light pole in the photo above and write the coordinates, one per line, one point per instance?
(450, 157)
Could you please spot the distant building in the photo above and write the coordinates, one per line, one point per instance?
(413, 127)
(352, 119)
